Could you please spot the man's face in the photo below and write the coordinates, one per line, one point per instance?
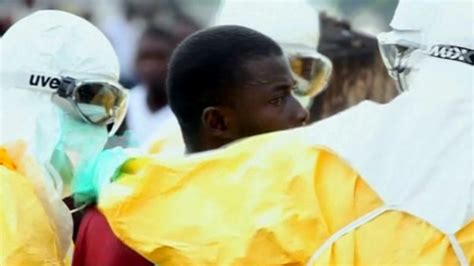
(264, 102)
(152, 59)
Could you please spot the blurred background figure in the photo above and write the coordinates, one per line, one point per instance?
(14, 10)
(358, 70)
(145, 33)
(149, 117)
(125, 21)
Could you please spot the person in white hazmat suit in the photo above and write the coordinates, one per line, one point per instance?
(416, 152)
(298, 38)
(59, 91)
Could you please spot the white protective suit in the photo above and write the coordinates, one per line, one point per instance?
(416, 152)
(45, 44)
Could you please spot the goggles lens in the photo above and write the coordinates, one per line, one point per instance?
(394, 51)
(392, 55)
(395, 57)
(312, 72)
(100, 103)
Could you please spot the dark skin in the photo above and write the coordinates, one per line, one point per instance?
(262, 103)
(152, 58)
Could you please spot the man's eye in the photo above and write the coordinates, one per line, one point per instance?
(278, 101)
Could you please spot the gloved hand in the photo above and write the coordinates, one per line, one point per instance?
(96, 173)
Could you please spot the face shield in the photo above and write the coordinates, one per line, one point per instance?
(312, 72)
(395, 54)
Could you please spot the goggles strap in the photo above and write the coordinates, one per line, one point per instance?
(451, 52)
(66, 89)
(34, 80)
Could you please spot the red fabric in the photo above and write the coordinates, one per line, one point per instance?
(96, 244)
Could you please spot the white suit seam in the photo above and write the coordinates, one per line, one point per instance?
(346, 229)
(458, 250)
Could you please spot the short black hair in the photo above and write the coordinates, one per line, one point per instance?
(206, 65)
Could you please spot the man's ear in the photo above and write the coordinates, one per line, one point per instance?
(219, 122)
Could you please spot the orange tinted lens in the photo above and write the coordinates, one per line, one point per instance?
(312, 74)
(98, 102)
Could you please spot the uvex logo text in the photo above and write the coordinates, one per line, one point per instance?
(452, 52)
(44, 81)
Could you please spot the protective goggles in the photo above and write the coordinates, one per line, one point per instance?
(312, 72)
(96, 102)
(395, 54)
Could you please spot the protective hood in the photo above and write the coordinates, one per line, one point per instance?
(440, 32)
(275, 19)
(435, 21)
(35, 51)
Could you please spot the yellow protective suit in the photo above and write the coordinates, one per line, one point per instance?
(275, 199)
(171, 144)
(35, 228)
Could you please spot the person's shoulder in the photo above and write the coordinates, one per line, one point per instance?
(96, 229)
(95, 220)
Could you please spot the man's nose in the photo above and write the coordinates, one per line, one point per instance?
(302, 115)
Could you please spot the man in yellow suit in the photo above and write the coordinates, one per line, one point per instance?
(59, 92)
(387, 184)
(253, 95)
